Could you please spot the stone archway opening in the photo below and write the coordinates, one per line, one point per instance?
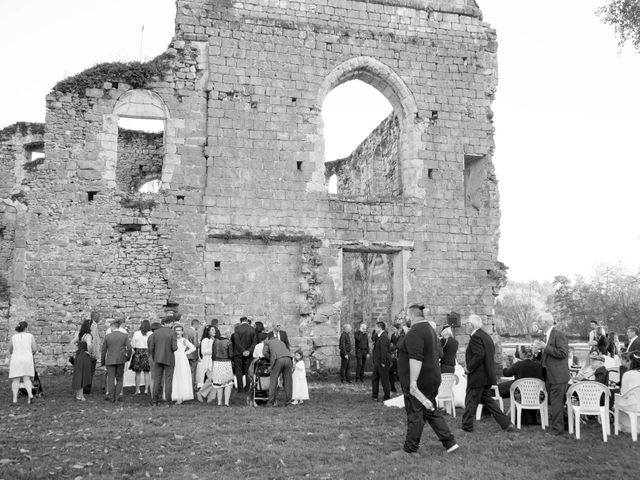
(385, 163)
(359, 147)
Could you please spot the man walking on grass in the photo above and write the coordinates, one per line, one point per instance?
(481, 376)
(419, 374)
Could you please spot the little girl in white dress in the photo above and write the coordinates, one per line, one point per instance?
(182, 388)
(300, 389)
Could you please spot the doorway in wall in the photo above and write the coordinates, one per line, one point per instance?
(372, 290)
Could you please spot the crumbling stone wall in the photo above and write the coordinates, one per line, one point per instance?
(240, 91)
(140, 156)
(373, 169)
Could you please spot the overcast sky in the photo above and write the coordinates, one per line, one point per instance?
(566, 113)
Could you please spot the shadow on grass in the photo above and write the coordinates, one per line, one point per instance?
(339, 433)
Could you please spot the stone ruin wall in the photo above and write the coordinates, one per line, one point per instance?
(373, 169)
(140, 156)
(243, 223)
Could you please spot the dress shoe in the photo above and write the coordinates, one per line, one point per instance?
(400, 454)
(467, 429)
(453, 448)
(511, 429)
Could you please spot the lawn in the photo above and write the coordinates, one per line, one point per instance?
(339, 433)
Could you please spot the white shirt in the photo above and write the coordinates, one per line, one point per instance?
(474, 332)
(548, 334)
(257, 350)
(139, 340)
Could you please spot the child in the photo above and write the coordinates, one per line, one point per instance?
(300, 389)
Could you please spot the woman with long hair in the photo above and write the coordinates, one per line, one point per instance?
(206, 354)
(182, 383)
(82, 363)
(140, 359)
(22, 347)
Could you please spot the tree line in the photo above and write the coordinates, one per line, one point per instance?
(610, 295)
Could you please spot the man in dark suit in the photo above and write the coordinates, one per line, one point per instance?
(344, 346)
(633, 344)
(162, 345)
(555, 367)
(381, 358)
(362, 350)
(419, 374)
(481, 376)
(281, 362)
(244, 340)
(280, 334)
(191, 334)
(116, 350)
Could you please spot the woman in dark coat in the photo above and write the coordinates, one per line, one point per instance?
(449, 350)
(82, 374)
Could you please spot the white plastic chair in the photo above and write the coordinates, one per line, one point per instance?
(632, 414)
(588, 396)
(445, 393)
(529, 389)
(496, 397)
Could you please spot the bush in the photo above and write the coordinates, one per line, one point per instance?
(136, 74)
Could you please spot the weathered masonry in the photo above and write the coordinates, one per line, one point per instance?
(243, 223)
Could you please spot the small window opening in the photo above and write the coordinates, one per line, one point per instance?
(299, 165)
(216, 266)
(434, 116)
(180, 198)
(332, 185)
(430, 173)
(91, 196)
(294, 99)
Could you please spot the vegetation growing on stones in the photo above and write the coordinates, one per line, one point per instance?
(32, 165)
(136, 74)
(136, 203)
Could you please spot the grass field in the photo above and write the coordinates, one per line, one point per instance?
(339, 433)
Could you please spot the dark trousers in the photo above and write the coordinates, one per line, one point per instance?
(87, 388)
(417, 416)
(344, 368)
(361, 359)
(284, 366)
(241, 367)
(393, 374)
(482, 395)
(557, 392)
(115, 374)
(160, 372)
(380, 374)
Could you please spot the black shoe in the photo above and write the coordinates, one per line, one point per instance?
(467, 429)
(511, 429)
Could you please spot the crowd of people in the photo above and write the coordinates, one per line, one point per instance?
(170, 362)
(175, 363)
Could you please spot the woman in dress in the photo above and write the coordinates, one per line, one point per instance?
(182, 383)
(206, 355)
(300, 389)
(222, 374)
(22, 347)
(82, 363)
(140, 359)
